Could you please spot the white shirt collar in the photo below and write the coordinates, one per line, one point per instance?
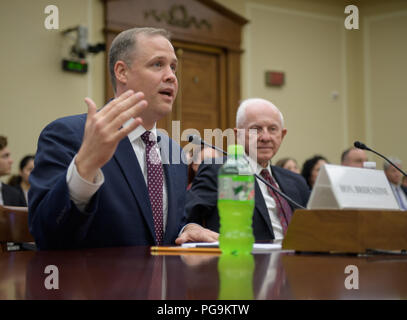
(136, 133)
(258, 168)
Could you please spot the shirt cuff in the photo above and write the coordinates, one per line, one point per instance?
(81, 190)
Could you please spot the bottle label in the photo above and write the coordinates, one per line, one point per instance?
(233, 188)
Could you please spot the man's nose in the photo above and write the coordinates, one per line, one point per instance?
(170, 75)
(265, 135)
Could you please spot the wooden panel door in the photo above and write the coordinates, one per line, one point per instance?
(200, 102)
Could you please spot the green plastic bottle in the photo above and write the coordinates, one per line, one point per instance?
(236, 203)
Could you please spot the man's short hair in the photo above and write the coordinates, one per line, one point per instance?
(387, 165)
(124, 44)
(345, 153)
(241, 110)
(3, 142)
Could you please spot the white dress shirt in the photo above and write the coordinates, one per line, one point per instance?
(270, 203)
(81, 191)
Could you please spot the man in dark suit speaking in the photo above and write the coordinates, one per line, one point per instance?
(100, 179)
(261, 125)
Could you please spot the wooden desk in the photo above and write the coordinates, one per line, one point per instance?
(126, 273)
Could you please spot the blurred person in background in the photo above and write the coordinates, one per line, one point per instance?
(311, 167)
(353, 157)
(404, 184)
(20, 181)
(289, 164)
(9, 196)
(394, 176)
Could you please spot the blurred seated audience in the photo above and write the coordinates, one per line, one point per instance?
(289, 164)
(197, 157)
(353, 157)
(310, 169)
(394, 176)
(404, 184)
(20, 181)
(9, 196)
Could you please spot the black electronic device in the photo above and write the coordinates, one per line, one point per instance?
(78, 66)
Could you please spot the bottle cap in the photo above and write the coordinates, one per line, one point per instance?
(235, 150)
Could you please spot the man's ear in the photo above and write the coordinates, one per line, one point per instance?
(120, 71)
(283, 133)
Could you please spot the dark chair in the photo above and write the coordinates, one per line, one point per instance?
(14, 228)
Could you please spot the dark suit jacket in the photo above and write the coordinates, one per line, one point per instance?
(119, 214)
(12, 196)
(201, 203)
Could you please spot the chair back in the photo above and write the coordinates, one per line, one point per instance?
(14, 224)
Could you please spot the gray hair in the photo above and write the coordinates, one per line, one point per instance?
(395, 160)
(124, 45)
(241, 111)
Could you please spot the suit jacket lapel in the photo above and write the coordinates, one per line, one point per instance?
(287, 187)
(127, 161)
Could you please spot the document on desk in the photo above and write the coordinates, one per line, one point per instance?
(257, 247)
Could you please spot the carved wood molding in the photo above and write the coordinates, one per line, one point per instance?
(177, 16)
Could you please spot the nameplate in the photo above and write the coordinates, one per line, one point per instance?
(340, 187)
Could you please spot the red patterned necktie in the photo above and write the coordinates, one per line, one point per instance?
(284, 211)
(155, 180)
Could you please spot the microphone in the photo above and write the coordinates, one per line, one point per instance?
(197, 140)
(361, 145)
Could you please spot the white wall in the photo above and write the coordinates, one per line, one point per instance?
(385, 82)
(33, 88)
